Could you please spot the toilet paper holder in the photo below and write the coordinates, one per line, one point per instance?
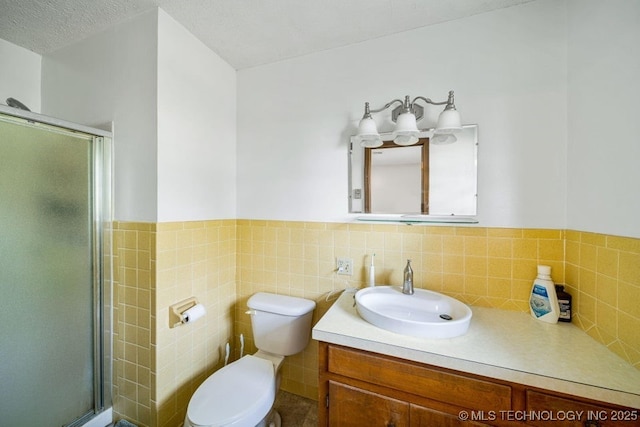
(176, 311)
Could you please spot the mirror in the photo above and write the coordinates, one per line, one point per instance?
(433, 180)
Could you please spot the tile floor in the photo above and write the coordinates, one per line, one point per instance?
(296, 411)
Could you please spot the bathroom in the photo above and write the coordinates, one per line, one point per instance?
(219, 195)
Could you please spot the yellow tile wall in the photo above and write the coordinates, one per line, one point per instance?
(222, 263)
(603, 276)
(194, 259)
(491, 267)
(134, 274)
(157, 368)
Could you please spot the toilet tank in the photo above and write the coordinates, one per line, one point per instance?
(281, 324)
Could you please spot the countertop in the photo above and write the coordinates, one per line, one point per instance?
(500, 344)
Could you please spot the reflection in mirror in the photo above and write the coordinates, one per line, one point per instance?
(435, 179)
(394, 181)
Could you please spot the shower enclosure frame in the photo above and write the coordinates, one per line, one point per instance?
(102, 250)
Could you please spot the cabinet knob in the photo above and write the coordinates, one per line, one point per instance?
(391, 424)
(591, 423)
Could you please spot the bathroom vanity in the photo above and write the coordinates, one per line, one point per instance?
(509, 369)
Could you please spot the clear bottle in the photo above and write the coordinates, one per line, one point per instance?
(371, 279)
(407, 284)
(564, 304)
(544, 301)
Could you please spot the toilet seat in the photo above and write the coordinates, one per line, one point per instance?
(240, 394)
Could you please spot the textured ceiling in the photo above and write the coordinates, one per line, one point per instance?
(245, 33)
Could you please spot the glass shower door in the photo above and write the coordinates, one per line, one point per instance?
(48, 295)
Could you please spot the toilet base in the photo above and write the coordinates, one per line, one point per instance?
(271, 420)
(275, 420)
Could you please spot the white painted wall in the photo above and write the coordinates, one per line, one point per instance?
(604, 125)
(516, 72)
(19, 75)
(196, 128)
(173, 105)
(111, 77)
(509, 71)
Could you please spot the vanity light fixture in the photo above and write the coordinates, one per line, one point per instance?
(405, 116)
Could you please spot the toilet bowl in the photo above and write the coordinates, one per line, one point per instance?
(242, 393)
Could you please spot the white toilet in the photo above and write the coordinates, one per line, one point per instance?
(242, 393)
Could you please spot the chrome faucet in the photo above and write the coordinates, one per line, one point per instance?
(407, 285)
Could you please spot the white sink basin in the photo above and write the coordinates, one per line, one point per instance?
(425, 314)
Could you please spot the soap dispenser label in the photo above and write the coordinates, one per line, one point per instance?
(540, 303)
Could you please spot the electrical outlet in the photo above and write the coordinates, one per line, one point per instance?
(344, 266)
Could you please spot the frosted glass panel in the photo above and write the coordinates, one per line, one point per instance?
(46, 277)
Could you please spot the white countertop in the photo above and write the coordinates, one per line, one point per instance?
(500, 344)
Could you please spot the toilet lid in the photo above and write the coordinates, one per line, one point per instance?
(243, 390)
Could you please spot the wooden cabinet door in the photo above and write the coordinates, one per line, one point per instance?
(354, 407)
(430, 382)
(564, 412)
(426, 417)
